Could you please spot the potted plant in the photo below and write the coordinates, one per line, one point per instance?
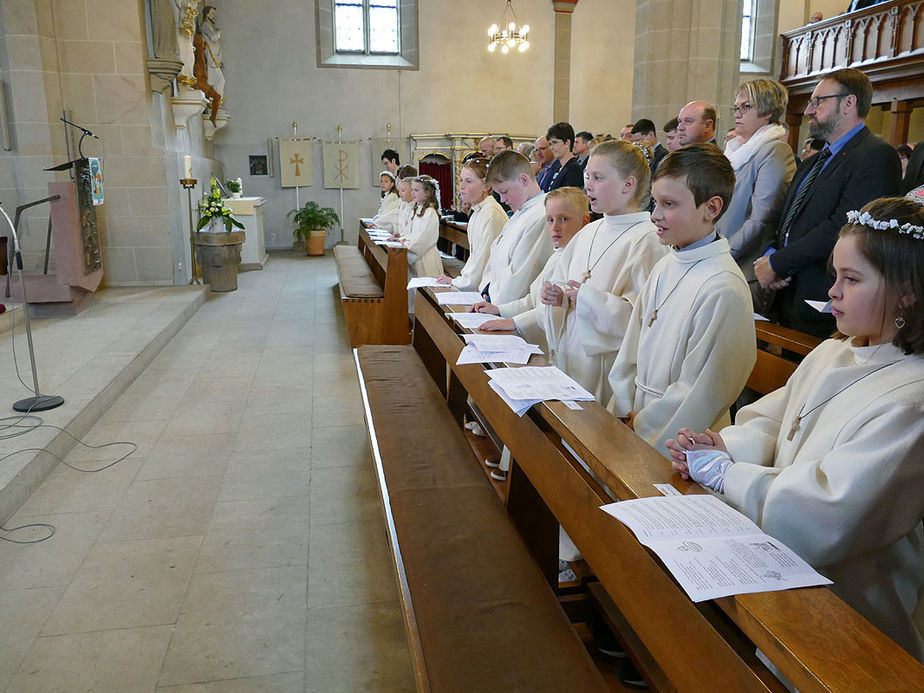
(311, 224)
(234, 187)
(218, 248)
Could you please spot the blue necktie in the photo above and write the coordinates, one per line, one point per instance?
(802, 193)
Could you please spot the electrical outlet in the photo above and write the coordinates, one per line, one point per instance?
(273, 239)
(179, 267)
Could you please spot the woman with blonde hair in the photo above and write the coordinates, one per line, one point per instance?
(764, 166)
(484, 225)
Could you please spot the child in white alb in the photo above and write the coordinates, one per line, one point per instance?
(388, 208)
(690, 344)
(830, 464)
(586, 306)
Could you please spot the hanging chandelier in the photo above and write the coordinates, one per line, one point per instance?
(508, 34)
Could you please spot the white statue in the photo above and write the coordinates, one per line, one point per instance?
(187, 12)
(212, 35)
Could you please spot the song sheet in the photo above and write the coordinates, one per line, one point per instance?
(390, 244)
(458, 298)
(472, 321)
(711, 549)
(538, 383)
(418, 282)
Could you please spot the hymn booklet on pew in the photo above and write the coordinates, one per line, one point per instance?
(711, 549)
(496, 348)
(521, 388)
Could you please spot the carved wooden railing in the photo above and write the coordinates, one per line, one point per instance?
(885, 41)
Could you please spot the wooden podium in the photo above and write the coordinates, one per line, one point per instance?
(78, 259)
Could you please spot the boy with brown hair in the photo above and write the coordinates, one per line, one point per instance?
(690, 344)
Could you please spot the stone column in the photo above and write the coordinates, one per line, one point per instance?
(561, 105)
(685, 50)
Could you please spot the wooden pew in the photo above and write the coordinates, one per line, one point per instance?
(772, 369)
(810, 635)
(454, 235)
(479, 614)
(373, 292)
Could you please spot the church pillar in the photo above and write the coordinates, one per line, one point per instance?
(561, 105)
(685, 50)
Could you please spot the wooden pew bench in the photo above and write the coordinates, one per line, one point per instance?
(479, 614)
(809, 634)
(373, 292)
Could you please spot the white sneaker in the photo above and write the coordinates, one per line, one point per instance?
(494, 464)
(499, 475)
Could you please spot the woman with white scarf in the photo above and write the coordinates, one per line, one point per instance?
(764, 165)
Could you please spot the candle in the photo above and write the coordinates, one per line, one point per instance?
(187, 166)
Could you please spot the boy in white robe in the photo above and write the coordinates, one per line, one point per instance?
(586, 306)
(566, 213)
(690, 344)
(522, 248)
(830, 464)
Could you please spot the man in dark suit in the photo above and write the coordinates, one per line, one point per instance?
(645, 129)
(914, 175)
(854, 168)
(581, 149)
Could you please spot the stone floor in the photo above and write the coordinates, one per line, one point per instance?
(241, 547)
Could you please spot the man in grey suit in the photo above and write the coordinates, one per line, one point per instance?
(854, 168)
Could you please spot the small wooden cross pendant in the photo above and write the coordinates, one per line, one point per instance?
(586, 275)
(795, 427)
(653, 317)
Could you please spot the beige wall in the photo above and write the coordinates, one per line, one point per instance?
(460, 87)
(87, 57)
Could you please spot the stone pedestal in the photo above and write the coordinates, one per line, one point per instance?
(218, 255)
(249, 211)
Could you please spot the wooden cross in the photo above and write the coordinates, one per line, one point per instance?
(297, 159)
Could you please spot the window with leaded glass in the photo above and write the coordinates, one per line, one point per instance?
(369, 27)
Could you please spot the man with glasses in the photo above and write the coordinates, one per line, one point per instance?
(853, 168)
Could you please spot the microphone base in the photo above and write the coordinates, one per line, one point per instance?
(40, 403)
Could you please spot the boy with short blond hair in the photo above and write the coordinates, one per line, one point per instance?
(522, 248)
(690, 344)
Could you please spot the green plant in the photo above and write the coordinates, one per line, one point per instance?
(212, 207)
(311, 217)
(233, 186)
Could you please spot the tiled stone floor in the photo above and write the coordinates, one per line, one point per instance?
(242, 547)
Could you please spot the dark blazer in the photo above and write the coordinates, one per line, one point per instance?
(546, 174)
(914, 175)
(659, 153)
(569, 174)
(866, 168)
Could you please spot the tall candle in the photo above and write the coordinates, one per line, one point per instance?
(187, 166)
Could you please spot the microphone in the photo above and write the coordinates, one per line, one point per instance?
(81, 128)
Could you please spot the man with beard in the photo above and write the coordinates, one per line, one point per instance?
(854, 167)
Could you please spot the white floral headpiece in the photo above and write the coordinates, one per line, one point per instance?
(866, 219)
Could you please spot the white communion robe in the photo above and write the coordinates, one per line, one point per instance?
(619, 251)
(847, 492)
(484, 225)
(518, 254)
(524, 311)
(403, 218)
(689, 365)
(387, 215)
(423, 258)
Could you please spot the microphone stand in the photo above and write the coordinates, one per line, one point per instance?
(82, 137)
(39, 402)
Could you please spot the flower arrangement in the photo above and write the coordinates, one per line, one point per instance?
(233, 185)
(211, 208)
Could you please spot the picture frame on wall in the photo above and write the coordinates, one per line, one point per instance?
(258, 165)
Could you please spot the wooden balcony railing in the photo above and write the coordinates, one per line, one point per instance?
(885, 41)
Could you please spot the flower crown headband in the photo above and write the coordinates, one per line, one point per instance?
(866, 219)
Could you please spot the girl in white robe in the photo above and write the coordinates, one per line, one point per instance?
(830, 464)
(603, 269)
(484, 225)
(566, 212)
(388, 208)
(405, 214)
(423, 258)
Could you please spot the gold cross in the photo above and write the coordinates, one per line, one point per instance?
(297, 159)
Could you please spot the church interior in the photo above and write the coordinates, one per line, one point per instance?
(204, 511)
